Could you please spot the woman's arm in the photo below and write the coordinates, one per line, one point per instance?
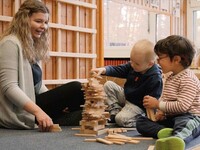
(43, 119)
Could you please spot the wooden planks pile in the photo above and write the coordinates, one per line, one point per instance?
(116, 138)
(94, 117)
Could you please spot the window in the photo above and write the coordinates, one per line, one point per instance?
(163, 26)
(196, 28)
(123, 26)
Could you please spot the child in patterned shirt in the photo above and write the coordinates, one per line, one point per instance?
(178, 109)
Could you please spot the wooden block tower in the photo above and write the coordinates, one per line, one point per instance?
(94, 117)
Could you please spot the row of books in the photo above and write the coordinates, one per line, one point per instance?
(115, 61)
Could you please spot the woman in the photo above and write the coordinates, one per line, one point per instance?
(24, 99)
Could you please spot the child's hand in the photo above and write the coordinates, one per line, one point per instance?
(150, 102)
(98, 71)
(160, 115)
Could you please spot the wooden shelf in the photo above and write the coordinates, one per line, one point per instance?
(72, 28)
(79, 3)
(73, 55)
(5, 18)
(63, 81)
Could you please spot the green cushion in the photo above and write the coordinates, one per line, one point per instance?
(166, 132)
(170, 143)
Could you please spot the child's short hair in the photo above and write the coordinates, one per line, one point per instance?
(146, 47)
(176, 45)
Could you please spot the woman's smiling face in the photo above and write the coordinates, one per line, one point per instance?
(39, 23)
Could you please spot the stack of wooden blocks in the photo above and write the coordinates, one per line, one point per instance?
(94, 117)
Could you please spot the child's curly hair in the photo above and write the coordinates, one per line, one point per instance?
(176, 45)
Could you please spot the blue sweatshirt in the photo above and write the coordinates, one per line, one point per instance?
(138, 85)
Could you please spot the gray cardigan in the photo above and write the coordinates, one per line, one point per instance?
(16, 85)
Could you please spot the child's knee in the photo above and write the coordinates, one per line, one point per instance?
(107, 85)
(124, 121)
(119, 119)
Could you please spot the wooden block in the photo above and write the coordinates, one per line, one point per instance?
(98, 132)
(103, 131)
(133, 141)
(90, 140)
(104, 141)
(75, 128)
(142, 138)
(151, 147)
(150, 114)
(129, 129)
(118, 140)
(124, 130)
(119, 130)
(95, 75)
(86, 131)
(78, 134)
(110, 131)
(55, 128)
(119, 137)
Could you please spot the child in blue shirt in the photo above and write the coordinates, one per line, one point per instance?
(143, 77)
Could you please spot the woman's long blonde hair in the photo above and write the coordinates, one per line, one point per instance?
(33, 49)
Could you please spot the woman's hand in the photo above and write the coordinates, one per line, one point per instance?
(150, 102)
(44, 121)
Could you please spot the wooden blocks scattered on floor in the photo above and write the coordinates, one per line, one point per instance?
(104, 131)
(118, 139)
(113, 137)
(118, 130)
